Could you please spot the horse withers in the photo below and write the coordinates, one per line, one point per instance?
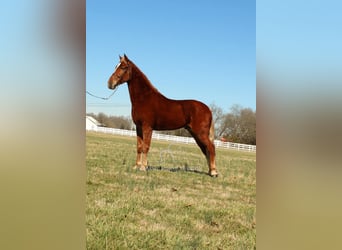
(153, 111)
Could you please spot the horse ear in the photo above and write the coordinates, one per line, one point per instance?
(120, 57)
(125, 57)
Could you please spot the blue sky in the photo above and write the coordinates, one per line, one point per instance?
(202, 50)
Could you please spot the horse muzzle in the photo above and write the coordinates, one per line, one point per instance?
(112, 84)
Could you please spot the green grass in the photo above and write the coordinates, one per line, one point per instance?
(163, 209)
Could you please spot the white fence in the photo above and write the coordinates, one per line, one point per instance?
(173, 138)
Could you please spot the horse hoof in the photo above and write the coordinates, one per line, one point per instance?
(213, 173)
(142, 168)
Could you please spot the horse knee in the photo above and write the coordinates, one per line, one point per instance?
(146, 148)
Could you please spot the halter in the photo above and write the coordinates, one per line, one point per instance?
(124, 71)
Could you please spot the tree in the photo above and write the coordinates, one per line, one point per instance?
(218, 117)
(240, 125)
(248, 126)
(102, 118)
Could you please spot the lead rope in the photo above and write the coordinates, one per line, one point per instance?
(103, 98)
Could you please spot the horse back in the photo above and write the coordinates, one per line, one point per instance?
(197, 110)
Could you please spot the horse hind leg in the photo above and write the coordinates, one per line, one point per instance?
(205, 141)
(210, 154)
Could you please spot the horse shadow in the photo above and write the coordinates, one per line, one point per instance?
(176, 169)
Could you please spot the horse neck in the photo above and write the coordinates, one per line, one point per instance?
(139, 85)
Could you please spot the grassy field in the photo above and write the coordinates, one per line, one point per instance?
(175, 205)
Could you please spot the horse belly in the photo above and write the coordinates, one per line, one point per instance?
(169, 119)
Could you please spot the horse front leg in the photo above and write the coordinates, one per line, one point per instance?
(140, 143)
(147, 135)
(144, 135)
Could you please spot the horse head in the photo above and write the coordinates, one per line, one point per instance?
(122, 73)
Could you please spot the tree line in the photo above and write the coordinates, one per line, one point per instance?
(238, 125)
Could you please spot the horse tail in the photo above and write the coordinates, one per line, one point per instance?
(212, 131)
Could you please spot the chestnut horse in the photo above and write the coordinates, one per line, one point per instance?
(153, 111)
